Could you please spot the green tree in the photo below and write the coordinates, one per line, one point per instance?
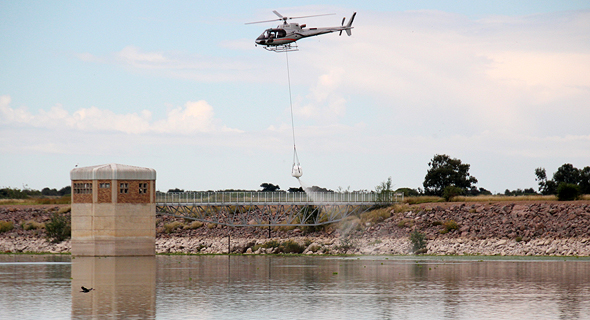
(384, 191)
(567, 173)
(49, 192)
(408, 192)
(445, 171)
(450, 192)
(269, 187)
(65, 190)
(545, 186)
(568, 191)
(585, 180)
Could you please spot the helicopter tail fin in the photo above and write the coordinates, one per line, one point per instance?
(349, 25)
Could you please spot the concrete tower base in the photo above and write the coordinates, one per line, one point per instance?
(113, 211)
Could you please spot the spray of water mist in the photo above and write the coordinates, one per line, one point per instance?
(296, 170)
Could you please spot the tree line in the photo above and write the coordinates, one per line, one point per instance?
(448, 177)
(15, 193)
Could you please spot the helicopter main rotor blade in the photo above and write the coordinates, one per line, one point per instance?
(278, 14)
(283, 18)
(315, 15)
(263, 21)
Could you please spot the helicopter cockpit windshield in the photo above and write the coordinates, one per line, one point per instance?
(270, 34)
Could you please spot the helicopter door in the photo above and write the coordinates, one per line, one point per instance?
(281, 33)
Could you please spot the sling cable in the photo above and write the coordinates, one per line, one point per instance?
(296, 171)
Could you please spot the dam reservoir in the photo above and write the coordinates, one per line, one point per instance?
(294, 287)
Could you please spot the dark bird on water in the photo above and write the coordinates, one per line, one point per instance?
(86, 290)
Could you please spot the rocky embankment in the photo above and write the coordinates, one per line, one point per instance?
(520, 228)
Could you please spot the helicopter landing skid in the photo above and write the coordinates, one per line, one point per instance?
(283, 48)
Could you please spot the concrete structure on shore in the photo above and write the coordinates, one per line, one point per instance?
(113, 211)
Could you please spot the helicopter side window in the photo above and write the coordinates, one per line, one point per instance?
(265, 35)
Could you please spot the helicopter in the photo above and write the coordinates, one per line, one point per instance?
(283, 37)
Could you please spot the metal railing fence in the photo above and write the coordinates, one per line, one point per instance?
(253, 197)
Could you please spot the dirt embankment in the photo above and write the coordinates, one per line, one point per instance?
(501, 228)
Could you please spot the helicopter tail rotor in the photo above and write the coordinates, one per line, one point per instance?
(349, 24)
(342, 24)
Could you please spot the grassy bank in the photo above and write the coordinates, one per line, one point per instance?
(486, 199)
(37, 201)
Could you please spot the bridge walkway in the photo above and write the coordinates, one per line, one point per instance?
(263, 209)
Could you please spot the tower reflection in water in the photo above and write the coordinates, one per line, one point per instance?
(124, 287)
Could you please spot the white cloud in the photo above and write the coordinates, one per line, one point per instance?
(193, 117)
(503, 75)
(131, 55)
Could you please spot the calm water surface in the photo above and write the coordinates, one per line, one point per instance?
(281, 287)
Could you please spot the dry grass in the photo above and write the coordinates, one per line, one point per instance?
(36, 201)
(64, 210)
(449, 225)
(397, 208)
(32, 225)
(193, 225)
(492, 198)
(499, 198)
(423, 199)
(6, 226)
(169, 227)
(405, 223)
(211, 225)
(375, 216)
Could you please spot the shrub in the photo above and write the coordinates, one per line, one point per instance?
(270, 244)
(291, 246)
(32, 225)
(65, 210)
(450, 192)
(58, 229)
(169, 227)
(195, 225)
(375, 216)
(266, 245)
(568, 191)
(346, 244)
(449, 225)
(405, 223)
(6, 226)
(418, 240)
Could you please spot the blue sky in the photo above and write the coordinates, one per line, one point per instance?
(180, 87)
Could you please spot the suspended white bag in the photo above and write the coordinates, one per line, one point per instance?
(297, 171)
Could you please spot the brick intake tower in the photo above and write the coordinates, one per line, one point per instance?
(113, 211)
